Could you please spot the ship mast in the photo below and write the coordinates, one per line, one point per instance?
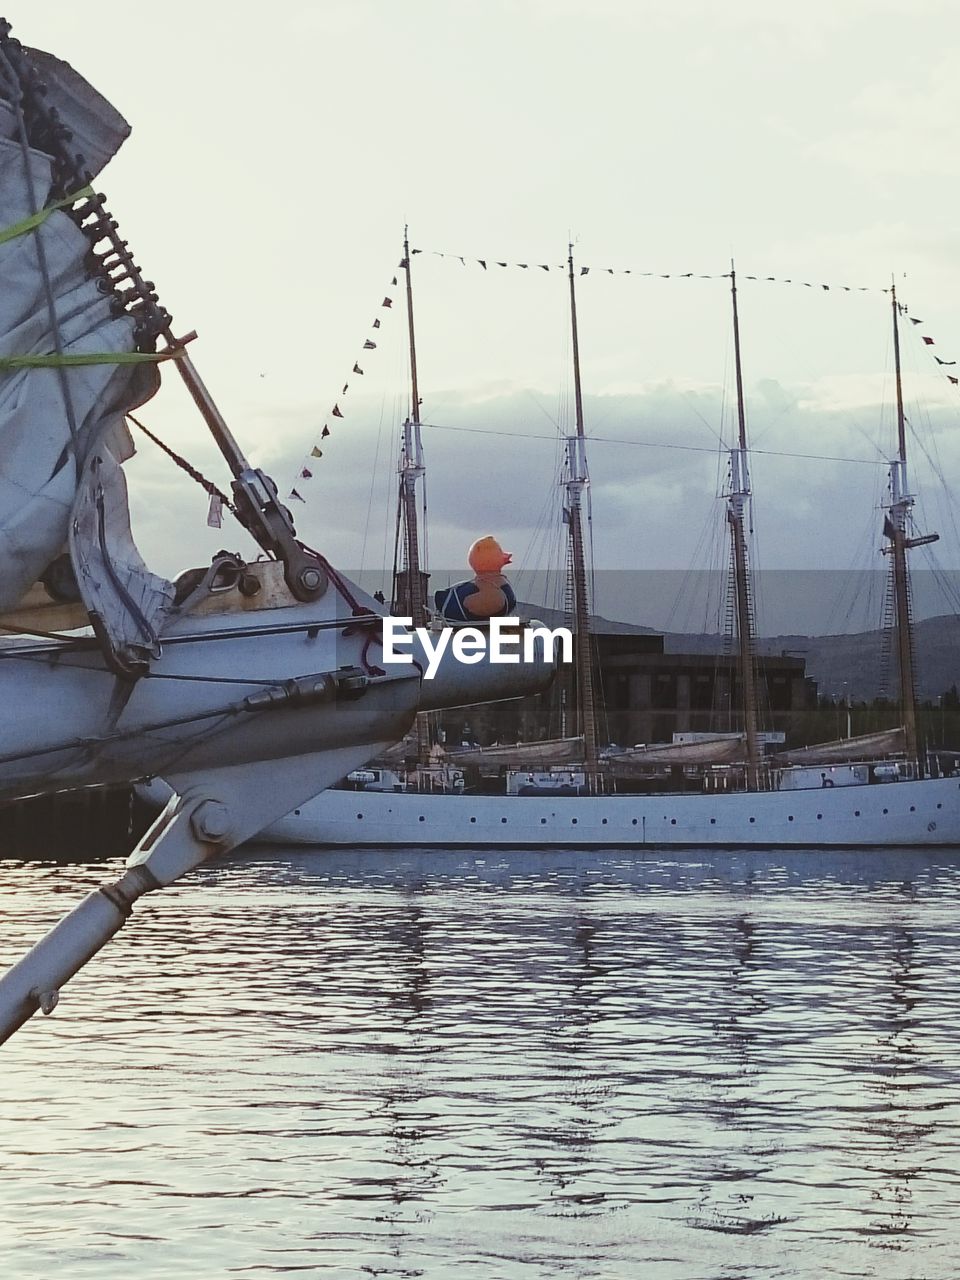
(737, 499)
(575, 483)
(895, 529)
(409, 586)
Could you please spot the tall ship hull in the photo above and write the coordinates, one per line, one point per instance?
(912, 813)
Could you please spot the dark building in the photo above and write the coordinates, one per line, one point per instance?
(644, 695)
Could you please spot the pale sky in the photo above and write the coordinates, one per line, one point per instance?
(278, 150)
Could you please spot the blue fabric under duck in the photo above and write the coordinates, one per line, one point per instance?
(487, 595)
(451, 602)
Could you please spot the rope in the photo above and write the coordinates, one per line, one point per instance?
(207, 485)
(37, 219)
(62, 360)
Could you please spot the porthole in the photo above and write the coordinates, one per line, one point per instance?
(603, 822)
(635, 821)
(673, 822)
(886, 811)
(297, 813)
(543, 822)
(713, 822)
(753, 819)
(573, 821)
(819, 817)
(359, 816)
(472, 819)
(503, 819)
(913, 808)
(422, 818)
(789, 817)
(856, 813)
(939, 806)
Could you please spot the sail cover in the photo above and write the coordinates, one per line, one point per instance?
(62, 430)
(867, 746)
(725, 750)
(521, 755)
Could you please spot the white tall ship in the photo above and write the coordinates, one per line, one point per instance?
(863, 792)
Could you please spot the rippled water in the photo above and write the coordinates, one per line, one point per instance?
(580, 1065)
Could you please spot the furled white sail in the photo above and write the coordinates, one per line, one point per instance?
(62, 434)
(521, 755)
(726, 750)
(866, 746)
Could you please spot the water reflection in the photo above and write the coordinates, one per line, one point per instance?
(533, 1065)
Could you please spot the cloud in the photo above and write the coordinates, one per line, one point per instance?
(657, 473)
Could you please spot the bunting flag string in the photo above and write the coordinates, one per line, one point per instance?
(484, 263)
(930, 342)
(306, 469)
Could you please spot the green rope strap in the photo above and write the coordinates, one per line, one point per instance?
(53, 361)
(36, 219)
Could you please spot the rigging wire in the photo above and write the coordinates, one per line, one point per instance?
(658, 444)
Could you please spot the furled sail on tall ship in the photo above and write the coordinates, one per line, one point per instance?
(74, 358)
(728, 749)
(866, 746)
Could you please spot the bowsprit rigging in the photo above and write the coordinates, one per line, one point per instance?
(119, 674)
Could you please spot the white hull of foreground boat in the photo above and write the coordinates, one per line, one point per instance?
(921, 812)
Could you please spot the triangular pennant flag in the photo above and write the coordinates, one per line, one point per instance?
(299, 497)
(369, 346)
(939, 361)
(375, 325)
(524, 265)
(393, 282)
(501, 264)
(345, 386)
(912, 320)
(584, 271)
(336, 412)
(413, 251)
(215, 512)
(930, 342)
(315, 452)
(387, 302)
(357, 369)
(482, 263)
(324, 433)
(543, 266)
(954, 380)
(306, 474)
(825, 287)
(402, 264)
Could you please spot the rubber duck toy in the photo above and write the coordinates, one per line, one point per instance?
(487, 594)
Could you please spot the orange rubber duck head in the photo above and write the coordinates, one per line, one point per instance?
(487, 556)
